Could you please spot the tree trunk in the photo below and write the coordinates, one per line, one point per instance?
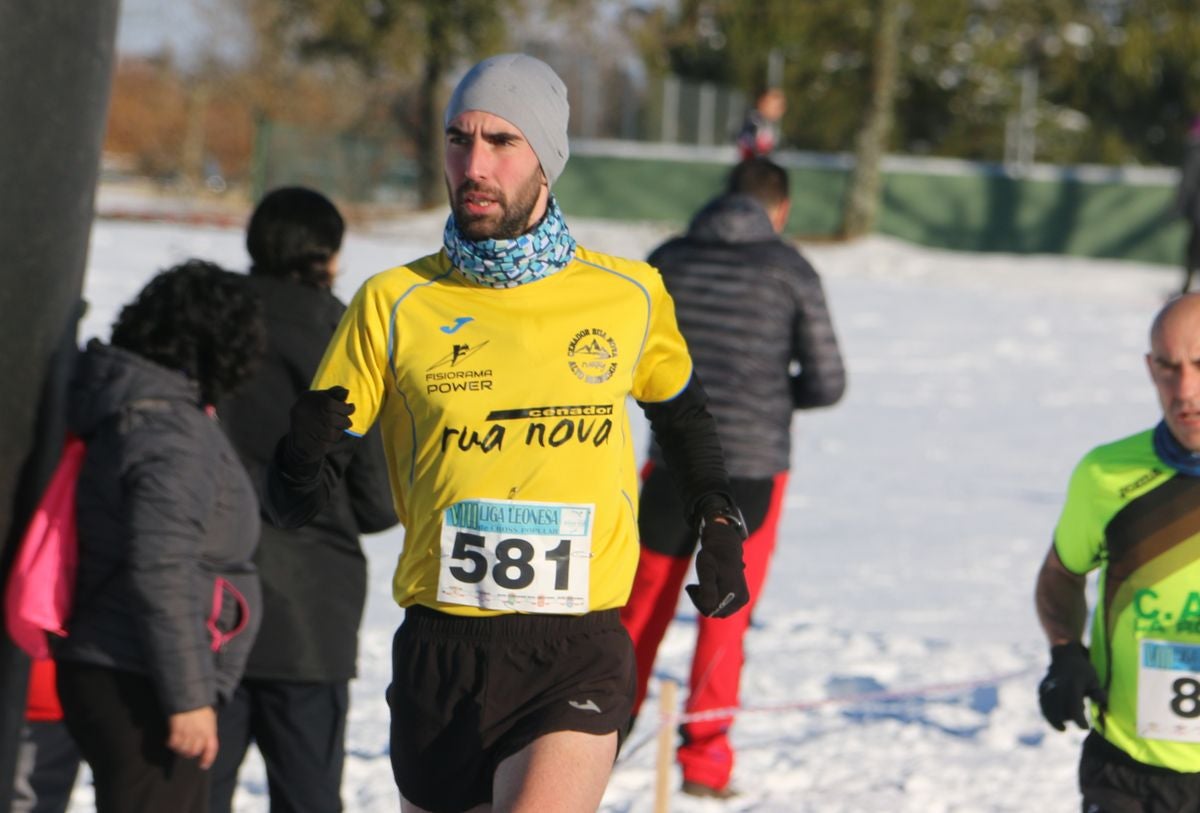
(430, 133)
(192, 158)
(56, 62)
(862, 194)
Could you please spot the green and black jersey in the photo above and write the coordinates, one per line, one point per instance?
(1138, 520)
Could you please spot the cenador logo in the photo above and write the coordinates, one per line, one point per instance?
(592, 355)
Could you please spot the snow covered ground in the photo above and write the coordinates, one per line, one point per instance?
(895, 652)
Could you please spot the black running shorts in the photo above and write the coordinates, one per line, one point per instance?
(1111, 781)
(467, 693)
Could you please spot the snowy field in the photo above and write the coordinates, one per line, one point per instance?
(895, 652)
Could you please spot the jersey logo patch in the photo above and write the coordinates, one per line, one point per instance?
(458, 353)
(592, 355)
(459, 322)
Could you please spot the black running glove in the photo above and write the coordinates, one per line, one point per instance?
(1070, 678)
(319, 420)
(720, 571)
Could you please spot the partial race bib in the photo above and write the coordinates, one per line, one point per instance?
(1168, 691)
(516, 555)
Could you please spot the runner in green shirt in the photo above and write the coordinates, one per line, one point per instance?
(1133, 512)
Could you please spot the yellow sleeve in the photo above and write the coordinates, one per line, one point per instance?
(1079, 536)
(665, 366)
(357, 356)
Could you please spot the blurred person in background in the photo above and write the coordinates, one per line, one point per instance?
(294, 696)
(759, 135)
(1187, 202)
(758, 327)
(500, 369)
(167, 601)
(1133, 512)
(47, 758)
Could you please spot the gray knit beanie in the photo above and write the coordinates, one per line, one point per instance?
(527, 93)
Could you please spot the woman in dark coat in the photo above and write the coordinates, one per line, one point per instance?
(294, 697)
(167, 601)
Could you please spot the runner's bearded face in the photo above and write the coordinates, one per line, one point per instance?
(495, 183)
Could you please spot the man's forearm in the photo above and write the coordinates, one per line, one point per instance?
(687, 435)
(1061, 601)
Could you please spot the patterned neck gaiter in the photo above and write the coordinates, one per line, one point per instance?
(509, 263)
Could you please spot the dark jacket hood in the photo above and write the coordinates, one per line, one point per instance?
(732, 219)
(107, 378)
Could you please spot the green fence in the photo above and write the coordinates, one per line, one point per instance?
(1120, 213)
(347, 167)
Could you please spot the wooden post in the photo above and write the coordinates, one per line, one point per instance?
(666, 747)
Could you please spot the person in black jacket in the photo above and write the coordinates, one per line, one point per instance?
(755, 318)
(167, 601)
(759, 135)
(294, 697)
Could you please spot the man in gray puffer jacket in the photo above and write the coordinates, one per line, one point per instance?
(754, 315)
(167, 602)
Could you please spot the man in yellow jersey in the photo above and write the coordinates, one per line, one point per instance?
(1133, 511)
(499, 370)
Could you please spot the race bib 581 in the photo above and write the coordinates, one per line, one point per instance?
(516, 555)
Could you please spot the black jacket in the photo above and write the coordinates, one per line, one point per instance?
(166, 516)
(1187, 195)
(314, 578)
(756, 322)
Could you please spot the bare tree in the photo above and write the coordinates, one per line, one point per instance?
(862, 193)
(395, 44)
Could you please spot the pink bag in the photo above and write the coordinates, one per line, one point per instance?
(41, 585)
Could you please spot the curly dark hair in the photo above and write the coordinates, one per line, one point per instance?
(294, 233)
(200, 319)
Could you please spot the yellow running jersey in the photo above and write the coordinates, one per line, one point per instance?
(1138, 521)
(504, 419)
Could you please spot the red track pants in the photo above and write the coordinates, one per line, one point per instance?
(706, 754)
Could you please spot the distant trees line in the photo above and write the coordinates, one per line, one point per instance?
(1062, 81)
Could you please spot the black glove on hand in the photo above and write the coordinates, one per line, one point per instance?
(722, 589)
(1070, 678)
(319, 419)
